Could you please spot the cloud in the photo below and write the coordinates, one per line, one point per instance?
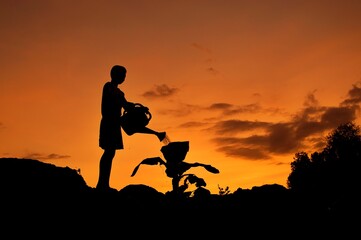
(282, 138)
(232, 127)
(40, 156)
(335, 116)
(249, 153)
(260, 140)
(160, 91)
(212, 70)
(209, 60)
(201, 48)
(230, 109)
(354, 96)
(193, 124)
(303, 131)
(182, 110)
(273, 138)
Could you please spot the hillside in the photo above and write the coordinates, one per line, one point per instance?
(49, 195)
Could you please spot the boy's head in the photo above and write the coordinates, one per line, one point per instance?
(118, 73)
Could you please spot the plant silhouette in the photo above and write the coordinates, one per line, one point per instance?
(176, 168)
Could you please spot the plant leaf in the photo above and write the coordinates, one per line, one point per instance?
(193, 179)
(148, 161)
(211, 169)
(135, 170)
(200, 182)
(153, 161)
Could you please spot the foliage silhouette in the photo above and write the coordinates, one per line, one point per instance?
(60, 197)
(331, 175)
(175, 153)
(223, 191)
(323, 193)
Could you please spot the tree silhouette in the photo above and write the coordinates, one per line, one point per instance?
(176, 168)
(333, 173)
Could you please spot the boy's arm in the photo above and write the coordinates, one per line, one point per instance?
(128, 105)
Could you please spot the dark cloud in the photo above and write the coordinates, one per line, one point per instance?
(225, 109)
(248, 153)
(230, 109)
(181, 110)
(282, 138)
(232, 127)
(201, 48)
(221, 106)
(160, 91)
(277, 138)
(335, 116)
(209, 60)
(40, 156)
(302, 132)
(212, 70)
(354, 96)
(311, 100)
(193, 124)
(303, 129)
(246, 139)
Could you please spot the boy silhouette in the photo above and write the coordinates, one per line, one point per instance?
(113, 103)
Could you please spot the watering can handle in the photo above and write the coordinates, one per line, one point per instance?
(149, 115)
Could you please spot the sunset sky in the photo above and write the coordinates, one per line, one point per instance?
(247, 83)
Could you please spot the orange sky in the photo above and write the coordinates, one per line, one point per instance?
(247, 83)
